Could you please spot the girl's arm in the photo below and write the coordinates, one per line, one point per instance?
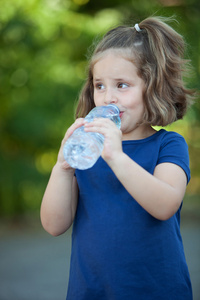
(59, 202)
(159, 194)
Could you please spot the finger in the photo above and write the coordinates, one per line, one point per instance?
(100, 125)
(74, 126)
(78, 123)
(99, 122)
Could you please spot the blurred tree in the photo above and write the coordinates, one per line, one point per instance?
(43, 47)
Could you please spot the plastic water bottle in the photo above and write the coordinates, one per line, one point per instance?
(82, 149)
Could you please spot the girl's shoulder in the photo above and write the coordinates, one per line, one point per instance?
(171, 137)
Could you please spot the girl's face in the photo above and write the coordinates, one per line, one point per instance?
(116, 82)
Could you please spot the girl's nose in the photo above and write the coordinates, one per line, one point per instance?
(110, 97)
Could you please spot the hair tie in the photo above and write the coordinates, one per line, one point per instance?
(137, 28)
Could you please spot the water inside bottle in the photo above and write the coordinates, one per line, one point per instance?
(82, 153)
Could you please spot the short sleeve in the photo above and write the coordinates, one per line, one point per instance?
(174, 149)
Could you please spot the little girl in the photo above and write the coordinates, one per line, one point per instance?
(125, 210)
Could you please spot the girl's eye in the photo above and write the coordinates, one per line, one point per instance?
(99, 86)
(122, 85)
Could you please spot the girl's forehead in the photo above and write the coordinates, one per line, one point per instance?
(120, 52)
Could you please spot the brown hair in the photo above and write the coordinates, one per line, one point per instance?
(157, 51)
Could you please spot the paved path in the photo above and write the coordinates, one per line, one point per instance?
(34, 265)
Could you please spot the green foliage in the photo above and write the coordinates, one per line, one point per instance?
(43, 47)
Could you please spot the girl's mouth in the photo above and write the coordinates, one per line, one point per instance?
(121, 114)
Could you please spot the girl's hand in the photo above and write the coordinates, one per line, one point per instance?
(64, 165)
(112, 135)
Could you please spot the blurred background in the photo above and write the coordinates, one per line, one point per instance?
(43, 55)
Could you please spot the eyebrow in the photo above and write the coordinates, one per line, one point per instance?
(116, 79)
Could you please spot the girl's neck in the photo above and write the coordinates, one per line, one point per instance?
(140, 133)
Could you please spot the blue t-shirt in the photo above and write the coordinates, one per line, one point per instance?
(119, 251)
